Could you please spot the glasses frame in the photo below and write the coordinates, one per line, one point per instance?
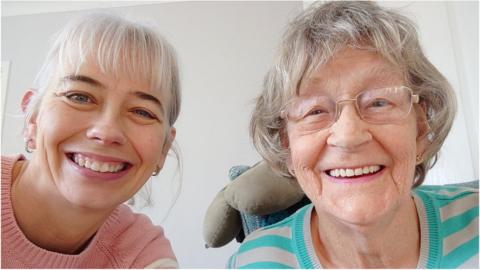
(414, 99)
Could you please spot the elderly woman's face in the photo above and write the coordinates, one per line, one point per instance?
(99, 137)
(354, 170)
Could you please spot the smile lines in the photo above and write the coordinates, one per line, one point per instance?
(354, 172)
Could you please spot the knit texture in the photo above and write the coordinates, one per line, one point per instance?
(448, 218)
(125, 240)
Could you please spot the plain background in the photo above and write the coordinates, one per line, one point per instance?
(224, 50)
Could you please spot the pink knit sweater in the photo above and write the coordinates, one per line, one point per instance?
(125, 240)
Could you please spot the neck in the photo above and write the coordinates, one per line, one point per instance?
(390, 243)
(45, 217)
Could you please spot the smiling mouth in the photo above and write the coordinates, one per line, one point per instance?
(97, 165)
(355, 172)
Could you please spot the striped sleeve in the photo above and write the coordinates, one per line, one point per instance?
(459, 231)
(452, 214)
(270, 247)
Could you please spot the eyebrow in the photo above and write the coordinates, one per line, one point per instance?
(93, 82)
(82, 78)
(149, 97)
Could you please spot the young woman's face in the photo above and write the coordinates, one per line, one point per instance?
(100, 138)
(354, 170)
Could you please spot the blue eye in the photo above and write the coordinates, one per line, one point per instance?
(79, 98)
(145, 114)
(378, 103)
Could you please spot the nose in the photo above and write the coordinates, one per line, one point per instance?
(106, 129)
(349, 131)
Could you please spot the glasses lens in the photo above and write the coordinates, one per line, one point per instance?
(385, 105)
(312, 113)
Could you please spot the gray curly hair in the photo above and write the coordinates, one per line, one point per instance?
(314, 36)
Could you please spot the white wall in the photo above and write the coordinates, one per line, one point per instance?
(449, 35)
(224, 50)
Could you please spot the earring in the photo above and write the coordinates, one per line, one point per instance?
(27, 149)
(157, 171)
(419, 159)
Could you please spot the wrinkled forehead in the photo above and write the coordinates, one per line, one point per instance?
(349, 66)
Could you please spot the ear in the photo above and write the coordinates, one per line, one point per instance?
(284, 137)
(169, 140)
(286, 145)
(27, 98)
(166, 146)
(423, 128)
(30, 130)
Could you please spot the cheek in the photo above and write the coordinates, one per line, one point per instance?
(403, 149)
(305, 154)
(305, 150)
(148, 142)
(55, 123)
(404, 165)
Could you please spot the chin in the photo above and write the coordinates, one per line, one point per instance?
(360, 212)
(95, 200)
(361, 218)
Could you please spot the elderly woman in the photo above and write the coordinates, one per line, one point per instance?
(98, 125)
(356, 113)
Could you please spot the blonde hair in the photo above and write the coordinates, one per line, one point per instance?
(120, 47)
(320, 31)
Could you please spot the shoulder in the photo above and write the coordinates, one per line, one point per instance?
(451, 212)
(135, 238)
(272, 246)
(8, 162)
(450, 201)
(441, 196)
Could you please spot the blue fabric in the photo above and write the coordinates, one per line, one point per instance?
(251, 223)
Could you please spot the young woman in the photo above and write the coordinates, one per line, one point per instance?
(99, 124)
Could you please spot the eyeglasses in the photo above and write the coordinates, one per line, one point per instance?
(376, 106)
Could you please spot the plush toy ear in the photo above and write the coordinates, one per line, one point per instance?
(261, 191)
(221, 223)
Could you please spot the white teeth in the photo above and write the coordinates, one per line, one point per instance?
(374, 168)
(354, 172)
(95, 165)
(79, 160)
(104, 167)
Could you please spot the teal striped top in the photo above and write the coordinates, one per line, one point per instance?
(448, 218)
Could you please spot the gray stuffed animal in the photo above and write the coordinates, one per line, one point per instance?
(256, 191)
